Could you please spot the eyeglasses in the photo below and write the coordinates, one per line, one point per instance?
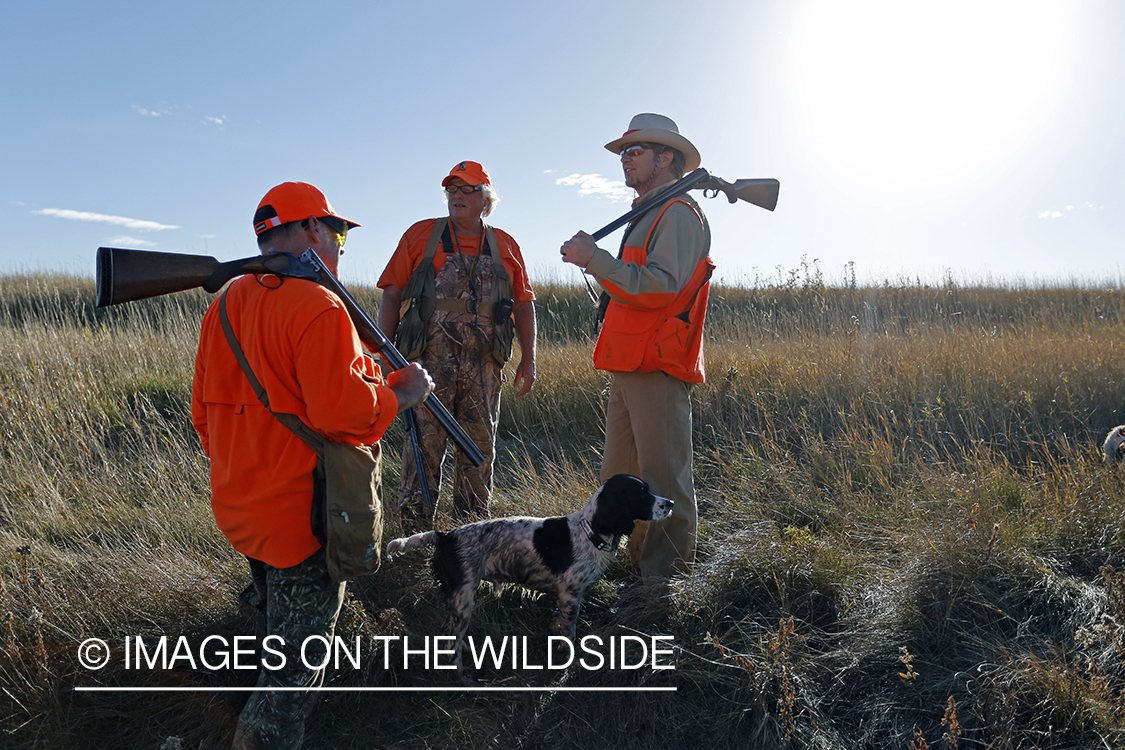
(466, 189)
(339, 226)
(634, 150)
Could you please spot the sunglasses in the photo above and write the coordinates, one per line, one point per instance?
(339, 226)
(466, 189)
(634, 150)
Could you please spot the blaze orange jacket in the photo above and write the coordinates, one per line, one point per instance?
(302, 346)
(658, 294)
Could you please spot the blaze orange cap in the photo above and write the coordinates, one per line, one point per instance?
(469, 171)
(293, 201)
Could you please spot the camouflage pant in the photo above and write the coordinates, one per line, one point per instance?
(299, 602)
(466, 378)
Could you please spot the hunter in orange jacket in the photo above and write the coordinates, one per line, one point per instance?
(301, 345)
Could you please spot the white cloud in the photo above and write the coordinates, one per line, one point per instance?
(145, 112)
(1050, 214)
(129, 242)
(595, 184)
(161, 109)
(124, 221)
(220, 121)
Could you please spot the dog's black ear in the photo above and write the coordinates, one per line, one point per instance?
(446, 563)
(621, 501)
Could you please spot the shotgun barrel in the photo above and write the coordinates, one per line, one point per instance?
(377, 342)
(691, 180)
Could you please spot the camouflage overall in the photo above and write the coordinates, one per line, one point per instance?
(297, 602)
(458, 356)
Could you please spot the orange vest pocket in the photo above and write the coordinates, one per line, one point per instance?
(625, 333)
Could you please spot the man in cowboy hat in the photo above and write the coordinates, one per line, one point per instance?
(651, 337)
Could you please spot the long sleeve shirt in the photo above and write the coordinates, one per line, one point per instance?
(303, 348)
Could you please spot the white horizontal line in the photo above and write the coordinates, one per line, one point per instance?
(380, 689)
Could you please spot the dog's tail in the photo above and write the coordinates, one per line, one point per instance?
(425, 539)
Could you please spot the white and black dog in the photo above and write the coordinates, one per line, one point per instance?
(1114, 447)
(560, 556)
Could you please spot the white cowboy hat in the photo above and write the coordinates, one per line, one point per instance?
(651, 128)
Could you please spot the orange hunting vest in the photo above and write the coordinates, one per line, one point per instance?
(651, 339)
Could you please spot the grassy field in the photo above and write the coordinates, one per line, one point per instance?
(908, 538)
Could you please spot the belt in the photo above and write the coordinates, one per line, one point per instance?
(463, 306)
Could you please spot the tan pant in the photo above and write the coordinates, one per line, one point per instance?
(648, 434)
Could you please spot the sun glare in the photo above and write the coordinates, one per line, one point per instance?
(904, 91)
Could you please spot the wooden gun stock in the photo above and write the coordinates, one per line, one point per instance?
(129, 275)
(762, 191)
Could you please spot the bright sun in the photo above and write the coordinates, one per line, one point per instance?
(902, 91)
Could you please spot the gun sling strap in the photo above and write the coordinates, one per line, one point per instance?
(292, 421)
(347, 516)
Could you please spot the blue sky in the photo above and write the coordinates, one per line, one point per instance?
(913, 140)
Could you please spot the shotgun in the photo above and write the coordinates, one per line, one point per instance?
(128, 275)
(762, 192)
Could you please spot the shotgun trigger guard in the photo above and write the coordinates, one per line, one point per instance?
(713, 185)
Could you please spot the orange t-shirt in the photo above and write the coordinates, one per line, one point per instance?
(412, 248)
(303, 348)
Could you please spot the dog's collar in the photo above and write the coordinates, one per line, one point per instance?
(595, 539)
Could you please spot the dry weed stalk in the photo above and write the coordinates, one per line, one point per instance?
(780, 647)
(991, 542)
(952, 726)
(909, 675)
(9, 633)
(919, 742)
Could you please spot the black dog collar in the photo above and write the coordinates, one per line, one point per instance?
(595, 539)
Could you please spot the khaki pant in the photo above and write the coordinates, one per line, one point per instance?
(648, 434)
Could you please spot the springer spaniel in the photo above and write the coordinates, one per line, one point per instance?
(560, 556)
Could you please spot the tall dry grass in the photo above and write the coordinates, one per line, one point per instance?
(907, 538)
